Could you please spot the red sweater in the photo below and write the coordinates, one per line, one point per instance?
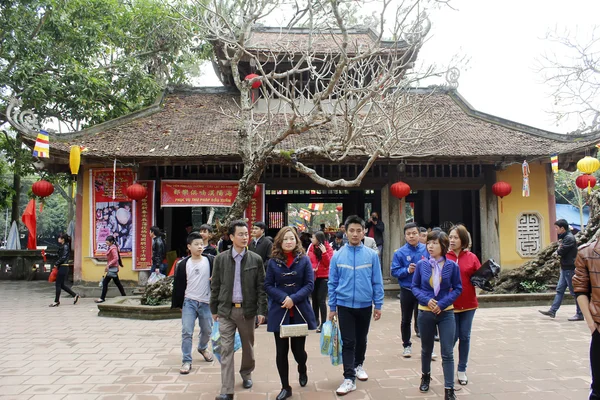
(321, 268)
(468, 263)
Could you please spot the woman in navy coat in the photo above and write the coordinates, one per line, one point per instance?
(289, 283)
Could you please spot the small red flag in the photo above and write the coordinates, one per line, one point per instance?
(28, 219)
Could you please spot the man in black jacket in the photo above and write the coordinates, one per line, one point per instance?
(375, 228)
(260, 244)
(567, 251)
(158, 251)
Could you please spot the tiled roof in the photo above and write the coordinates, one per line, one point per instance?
(200, 124)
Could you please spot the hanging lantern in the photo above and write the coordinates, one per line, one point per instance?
(588, 165)
(74, 163)
(256, 84)
(400, 190)
(42, 188)
(339, 208)
(136, 192)
(585, 182)
(501, 189)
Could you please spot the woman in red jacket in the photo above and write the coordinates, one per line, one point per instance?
(466, 304)
(320, 253)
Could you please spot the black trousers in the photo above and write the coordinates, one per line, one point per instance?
(354, 327)
(282, 346)
(595, 363)
(319, 299)
(63, 271)
(409, 307)
(105, 286)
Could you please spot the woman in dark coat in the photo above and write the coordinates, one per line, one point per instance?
(64, 253)
(289, 282)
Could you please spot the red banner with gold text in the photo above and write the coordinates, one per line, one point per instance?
(144, 220)
(176, 193)
(256, 208)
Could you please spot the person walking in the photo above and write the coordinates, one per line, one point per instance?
(320, 253)
(355, 285)
(586, 284)
(113, 263)
(158, 251)
(403, 267)
(375, 228)
(237, 297)
(64, 252)
(289, 283)
(466, 304)
(191, 294)
(260, 244)
(436, 285)
(567, 251)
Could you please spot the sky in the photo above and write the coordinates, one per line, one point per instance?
(503, 42)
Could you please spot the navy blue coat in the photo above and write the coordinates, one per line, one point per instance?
(296, 282)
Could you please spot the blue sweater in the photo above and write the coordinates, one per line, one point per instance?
(450, 286)
(355, 279)
(405, 256)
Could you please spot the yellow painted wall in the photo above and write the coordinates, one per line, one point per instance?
(515, 204)
(93, 270)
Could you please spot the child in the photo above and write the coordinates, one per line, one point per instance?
(191, 293)
(206, 232)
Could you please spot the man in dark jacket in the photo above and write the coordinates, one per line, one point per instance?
(237, 297)
(567, 251)
(260, 244)
(158, 251)
(375, 230)
(191, 293)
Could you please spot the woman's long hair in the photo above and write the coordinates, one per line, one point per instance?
(321, 238)
(65, 237)
(277, 251)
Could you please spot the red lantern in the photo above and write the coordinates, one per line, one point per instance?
(256, 84)
(585, 181)
(501, 189)
(136, 192)
(339, 208)
(400, 190)
(42, 188)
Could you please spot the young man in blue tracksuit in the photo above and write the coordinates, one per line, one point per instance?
(404, 263)
(355, 285)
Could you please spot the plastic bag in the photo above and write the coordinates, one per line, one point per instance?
(335, 348)
(325, 338)
(52, 276)
(215, 339)
(483, 276)
(155, 277)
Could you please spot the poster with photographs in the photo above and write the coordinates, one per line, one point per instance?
(112, 216)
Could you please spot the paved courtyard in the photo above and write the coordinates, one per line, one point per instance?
(70, 353)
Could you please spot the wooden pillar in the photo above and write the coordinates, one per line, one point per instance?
(78, 251)
(488, 203)
(551, 204)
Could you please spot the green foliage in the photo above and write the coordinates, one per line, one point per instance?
(91, 60)
(532, 286)
(159, 293)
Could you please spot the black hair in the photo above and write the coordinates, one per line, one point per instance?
(422, 229)
(64, 237)
(410, 225)
(321, 239)
(206, 227)
(562, 223)
(156, 231)
(437, 229)
(111, 239)
(342, 224)
(354, 219)
(442, 239)
(188, 224)
(193, 236)
(339, 235)
(260, 224)
(235, 224)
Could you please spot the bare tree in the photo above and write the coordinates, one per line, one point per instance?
(358, 95)
(573, 71)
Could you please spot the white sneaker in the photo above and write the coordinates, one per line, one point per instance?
(433, 356)
(361, 374)
(407, 353)
(346, 387)
(462, 378)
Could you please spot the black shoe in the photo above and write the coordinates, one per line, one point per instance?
(449, 394)
(425, 380)
(76, 299)
(303, 380)
(55, 304)
(284, 394)
(418, 335)
(247, 383)
(547, 313)
(224, 397)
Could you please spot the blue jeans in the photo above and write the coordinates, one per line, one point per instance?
(191, 310)
(565, 280)
(427, 324)
(464, 321)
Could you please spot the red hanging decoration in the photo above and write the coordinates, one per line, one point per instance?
(136, 192)
(586, 182)
(400, 190)
(42, 188)
(256, 84)
(501, 189)
(339, 208)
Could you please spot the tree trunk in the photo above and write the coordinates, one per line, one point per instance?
(15, 212)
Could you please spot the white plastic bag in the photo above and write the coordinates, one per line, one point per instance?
(155, 277)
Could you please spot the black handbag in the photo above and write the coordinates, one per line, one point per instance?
(488, 272)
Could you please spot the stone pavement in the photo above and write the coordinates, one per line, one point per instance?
(70, 353)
